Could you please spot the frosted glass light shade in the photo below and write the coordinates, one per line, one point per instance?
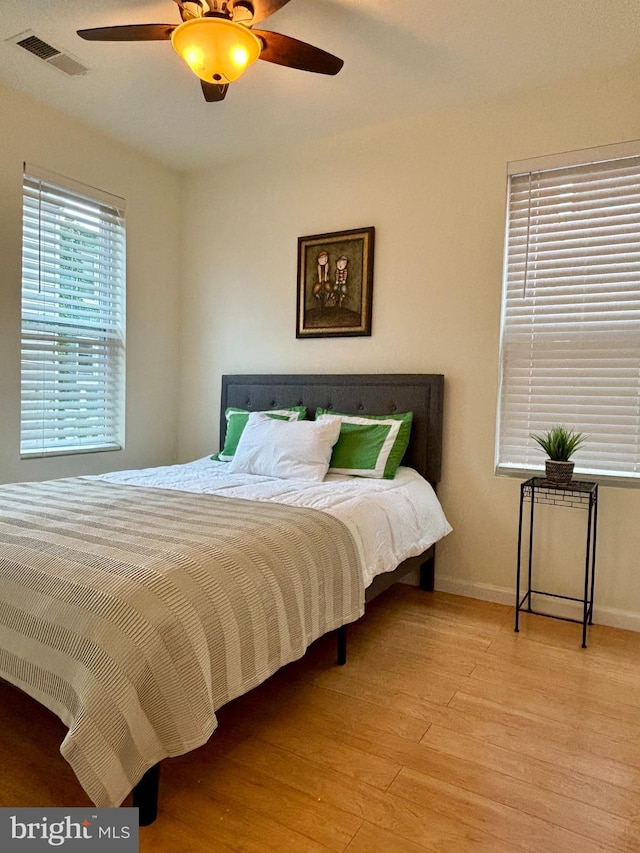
(215, 49)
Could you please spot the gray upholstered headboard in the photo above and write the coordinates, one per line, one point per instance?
(367, 394)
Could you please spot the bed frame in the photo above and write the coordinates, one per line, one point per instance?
(357, 394)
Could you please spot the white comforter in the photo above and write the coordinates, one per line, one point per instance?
(390, 520)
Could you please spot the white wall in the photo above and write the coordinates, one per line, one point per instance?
(434, 188)
(32, 132)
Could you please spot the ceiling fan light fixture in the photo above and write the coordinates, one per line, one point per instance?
(215, 49)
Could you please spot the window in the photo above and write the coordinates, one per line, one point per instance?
(73, 317)
(570, 350)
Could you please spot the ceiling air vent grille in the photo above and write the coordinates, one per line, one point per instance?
(61, 60)
(38, 47)
(67, 64)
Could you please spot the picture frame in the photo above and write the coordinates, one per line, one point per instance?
(335, 284)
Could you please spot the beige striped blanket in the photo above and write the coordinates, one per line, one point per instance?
(135, 613)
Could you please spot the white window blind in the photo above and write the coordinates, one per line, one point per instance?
(570, 349)
(73, 317)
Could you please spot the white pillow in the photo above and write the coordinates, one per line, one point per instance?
(291, 450)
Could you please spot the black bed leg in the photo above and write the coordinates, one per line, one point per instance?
(145, 795)
(342, 645)
(428, 574)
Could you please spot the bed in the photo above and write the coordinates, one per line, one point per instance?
(111, 614)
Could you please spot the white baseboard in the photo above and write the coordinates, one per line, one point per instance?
(626, 619)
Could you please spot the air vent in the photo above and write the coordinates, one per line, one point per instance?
(61, 60)
(68, 64)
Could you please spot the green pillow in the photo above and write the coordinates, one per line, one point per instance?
(237, 420)
(369, 445)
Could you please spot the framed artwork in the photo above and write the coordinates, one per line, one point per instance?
(335, 284)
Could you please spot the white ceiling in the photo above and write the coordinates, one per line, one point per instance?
(401, 57)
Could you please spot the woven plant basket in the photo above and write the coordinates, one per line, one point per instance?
(558, 472)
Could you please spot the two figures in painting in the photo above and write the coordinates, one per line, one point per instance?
(335, 282)
(327, 292)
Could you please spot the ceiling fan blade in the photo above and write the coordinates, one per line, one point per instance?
(263, 8)
(130, 32)
(285, 50)
(214, 91)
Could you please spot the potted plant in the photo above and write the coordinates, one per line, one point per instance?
(559, 443)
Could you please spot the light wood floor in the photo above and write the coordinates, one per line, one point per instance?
(444, 732)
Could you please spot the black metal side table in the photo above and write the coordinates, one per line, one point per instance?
(580, 494)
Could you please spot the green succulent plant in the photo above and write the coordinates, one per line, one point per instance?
(559, 443)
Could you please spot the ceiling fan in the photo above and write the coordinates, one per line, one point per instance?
(217, 41)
